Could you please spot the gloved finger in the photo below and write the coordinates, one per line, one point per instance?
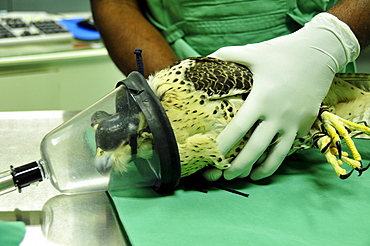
(263, 157)
(255, 147)
(276, 156)
(212, 174)
(258, 162)
(237, 128)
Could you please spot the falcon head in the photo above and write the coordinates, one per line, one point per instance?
(118, 138)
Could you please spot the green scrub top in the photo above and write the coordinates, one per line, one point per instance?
(200, 27)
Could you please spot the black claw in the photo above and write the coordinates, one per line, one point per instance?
(361, 169)
(346, 175)
(339, 148)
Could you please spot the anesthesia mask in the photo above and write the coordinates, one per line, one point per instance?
(122, 141)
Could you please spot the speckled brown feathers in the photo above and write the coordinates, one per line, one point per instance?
(216, 77)
(200, 97)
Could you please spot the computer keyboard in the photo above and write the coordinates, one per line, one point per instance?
(22, 28)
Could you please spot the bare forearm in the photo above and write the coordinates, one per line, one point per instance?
(356, 13)
(124, 29)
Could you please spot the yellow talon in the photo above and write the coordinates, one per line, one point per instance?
(351, 163)
(330, 152)
(335, 163)
(332, 130)
(356, 127)
(329, 143)
(336, 127)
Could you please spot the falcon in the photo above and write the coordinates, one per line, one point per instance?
(201, 95)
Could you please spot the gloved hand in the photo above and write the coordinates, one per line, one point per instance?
(292, 75)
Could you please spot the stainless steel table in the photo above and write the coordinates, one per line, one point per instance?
(51, 218)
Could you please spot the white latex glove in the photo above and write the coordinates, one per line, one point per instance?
(292, 75)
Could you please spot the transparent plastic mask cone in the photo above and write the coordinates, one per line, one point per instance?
(69, 154)
(122, 141)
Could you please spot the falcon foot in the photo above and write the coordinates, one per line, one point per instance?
(329, 142)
